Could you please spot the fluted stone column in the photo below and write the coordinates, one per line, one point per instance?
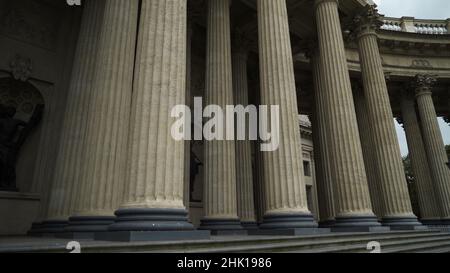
(153, 200)
(103, 163)
(324, 180)
(397, 205)
(285, 190)
(352, 199)
(370, 163)
(187, 143)
(65, 190)
(220, 199)
(429, 209)
(434, 144)
(244, 173)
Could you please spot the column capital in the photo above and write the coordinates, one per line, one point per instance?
(367, 22)
(318, 2)
(423, 84)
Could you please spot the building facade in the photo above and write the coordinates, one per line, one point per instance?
(93, 86)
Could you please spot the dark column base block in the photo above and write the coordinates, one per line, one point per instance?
(403, 223)
(51, 227)
(89, 224)
(289, 232)
(139, 220)
(223, 227)
(431, 222)
(152, 236)
(327, 224)
(288, 221)
(250, 225)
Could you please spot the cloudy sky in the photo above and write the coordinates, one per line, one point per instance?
(424, 9)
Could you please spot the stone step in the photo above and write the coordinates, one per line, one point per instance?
(256, 244)
(391, 246)
(308, 244)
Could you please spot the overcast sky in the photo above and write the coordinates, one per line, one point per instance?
(423, 9)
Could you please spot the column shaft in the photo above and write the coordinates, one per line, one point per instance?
(244, 173)
(65, 188)
(367, 147)
(429, 208)
(394, 190)
(353, 205)
(284, 184)
(322, 158)
(154, 188)
(220, 199)
(434, 145)
(104, 159)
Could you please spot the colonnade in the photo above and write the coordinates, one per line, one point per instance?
(119, 168)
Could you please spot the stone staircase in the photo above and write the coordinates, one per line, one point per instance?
(432, 241)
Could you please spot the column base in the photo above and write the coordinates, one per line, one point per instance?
(224, 227)
(362, 223)
(431, 222)
(445, 222)
(152, 236)
(53, 227)
(403, 223)
(35, 230)
(289, 221)
(249, 225)
(139, 220)
(89, 224)
(289, 232)
(327, 224)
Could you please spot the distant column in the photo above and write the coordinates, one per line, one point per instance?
(104, 161)
(397, 207)
(368, 147)
(65, 189)
(244, 173)
(434, 144)
(220, 197)
(429, 208)
(324, 181)
(285, 189)
(352, 198)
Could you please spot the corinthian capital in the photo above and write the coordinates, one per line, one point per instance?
(368, 21)
(423, 84)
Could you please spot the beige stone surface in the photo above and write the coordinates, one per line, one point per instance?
(348, 172)
(220, 200)
(434, 143)
(155, 170)
(244, 172)
(386, 149)
(283, 169)
(65, 188)
(429, 208)
(370, 163)
(324, 179)
(105, 154)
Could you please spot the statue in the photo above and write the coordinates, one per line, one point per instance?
(13, 133)
(195, 169)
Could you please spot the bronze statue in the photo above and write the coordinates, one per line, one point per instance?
(13, 133)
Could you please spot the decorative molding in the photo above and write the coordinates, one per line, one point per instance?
(21, 68)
